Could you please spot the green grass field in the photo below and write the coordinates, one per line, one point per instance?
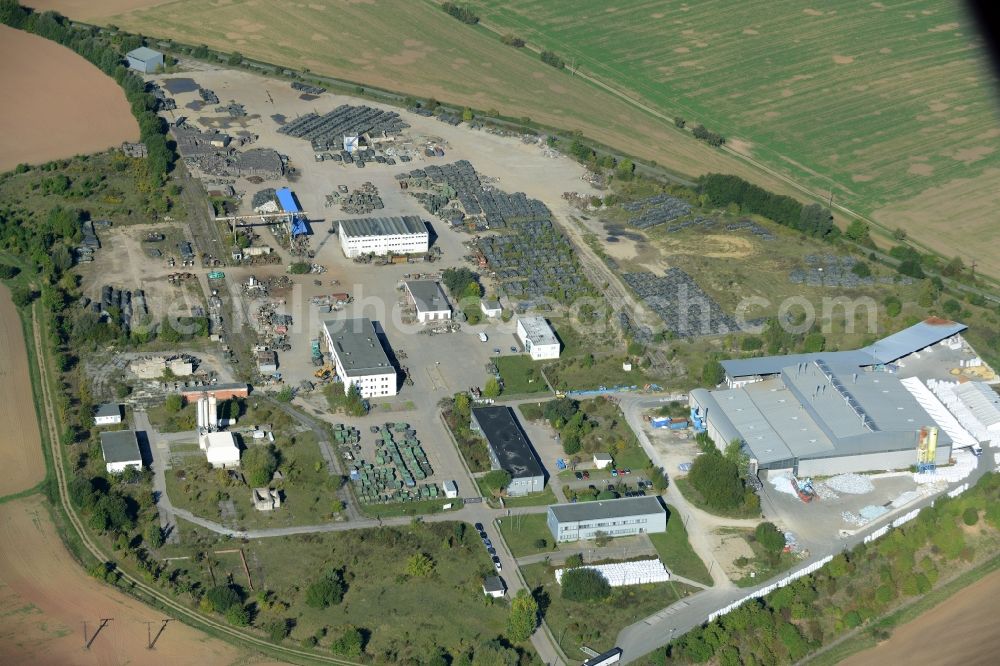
(522, 533)
(675, 550)
(878, 103)
(575, 623)
(521, 375)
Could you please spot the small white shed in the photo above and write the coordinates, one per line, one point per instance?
(602, 460)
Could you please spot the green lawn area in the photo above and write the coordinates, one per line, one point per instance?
(165, 421)
(308, 489)
(675, 550)
(408, 618)
(578, 373)
(521, 375)
(693, 496)
(544, 498)
(596, 624)
(409, 508)
(521, 533)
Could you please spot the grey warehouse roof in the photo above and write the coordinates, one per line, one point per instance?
(616, 508)
(108, 410)
(358, 347)
(538, 331)
(428, 295)
(512, 448)
(888, 349)
(143, 53)
(383, 226)
(815, 410)
(120, 446)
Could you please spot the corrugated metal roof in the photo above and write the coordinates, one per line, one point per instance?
(912, 339)
(383, 226)
(888, 349)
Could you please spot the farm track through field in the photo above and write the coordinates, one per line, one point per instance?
(167, 603)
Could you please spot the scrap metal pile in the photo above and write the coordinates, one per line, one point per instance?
(708, 223)
(123, 302)
(362, 200)
(686, 310)
(833, 271)
(310, 90)
(328, 130)
(656, 209)
(459, 182)
(534, 264)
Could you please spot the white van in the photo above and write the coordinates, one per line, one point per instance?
(482, 337)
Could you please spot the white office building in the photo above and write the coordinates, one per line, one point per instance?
(538, 338)
(614, 518)
(429, 300)
(359, 357)
(384, 235)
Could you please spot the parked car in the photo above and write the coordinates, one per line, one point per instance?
(586, 474)
(614, 472)
(513, 349)
(478, 526)
(611, 488)
(579, 476)
(496, 563)
(487, 542)
(496, 350)
(492, 551)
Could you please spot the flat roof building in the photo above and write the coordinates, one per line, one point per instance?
(616, 517)
(493, 586)
(509, 449)
(144, 60)
(816, 418)
(491, 308)
(384, 235)
(120, 450)
(108, 414)
(538, 338)
(429, 300)
(360, 358)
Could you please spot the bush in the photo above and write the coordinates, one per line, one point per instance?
(771, 538)
(893, 306)
(718, 481)
(420, 565)
(552, 60)
(259, 463)
(327, 591)
(174, 403)
(460, 12)
(970, 516)
(712, 373)
(496, 480)
(7, 272)
(223, 597)
(238, 616)
(541, 543)
(584, 585)
(523, 617)
(351, 643)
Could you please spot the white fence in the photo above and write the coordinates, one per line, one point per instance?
(905, 518)
(764, 591)
(958, 490)
(877, 534)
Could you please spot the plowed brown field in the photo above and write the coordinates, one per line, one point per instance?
(45, 598)
(55, 104)
(20, 447)
(960, 630)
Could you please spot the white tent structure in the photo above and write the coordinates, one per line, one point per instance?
(960, 437)
(979, 431)
(621, 574)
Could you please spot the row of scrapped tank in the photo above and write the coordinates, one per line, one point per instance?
(123, 301)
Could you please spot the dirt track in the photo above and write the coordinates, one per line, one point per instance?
(960, 630)
(55, 104)
(46, 598)
(20, 449)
